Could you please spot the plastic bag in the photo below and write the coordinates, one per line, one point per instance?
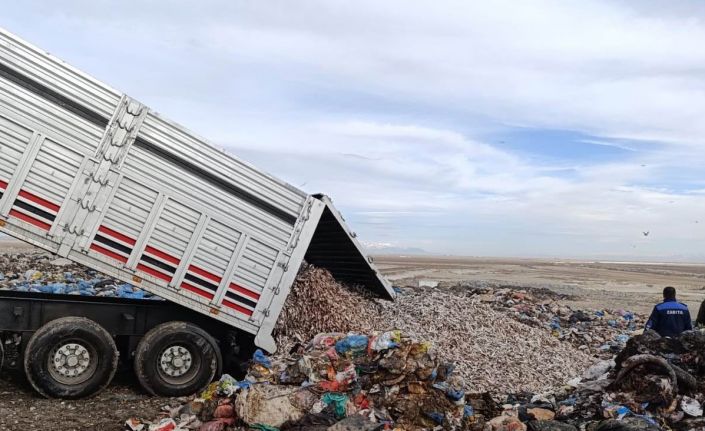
(352, 345)
(347, 375)
(325, 340)
(691, 407)
(227, 385)
(339, 402)
(260, 358)
(387, 340)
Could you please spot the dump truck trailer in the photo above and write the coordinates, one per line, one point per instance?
(93, 175)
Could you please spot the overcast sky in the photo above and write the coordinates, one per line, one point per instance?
(502, 128)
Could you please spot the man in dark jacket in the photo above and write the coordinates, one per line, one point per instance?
(670, 317)
(700, 320)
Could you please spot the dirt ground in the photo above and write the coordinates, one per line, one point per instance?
(22, 409)
(629, 285)
(591, 285)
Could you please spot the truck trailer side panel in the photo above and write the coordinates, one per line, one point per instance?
(93, 175)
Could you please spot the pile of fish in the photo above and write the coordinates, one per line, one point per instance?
(601, 333)
(491, 350)
(40, 272)
(317, 303)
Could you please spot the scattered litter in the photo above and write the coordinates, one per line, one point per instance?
(49, 274)
(691, 407)
(336, 380)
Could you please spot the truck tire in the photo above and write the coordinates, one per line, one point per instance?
(70, 357)
(176, 359)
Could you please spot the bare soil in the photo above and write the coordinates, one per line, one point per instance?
(629, 285)
(23, 409)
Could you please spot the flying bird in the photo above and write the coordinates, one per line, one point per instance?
(646, 233)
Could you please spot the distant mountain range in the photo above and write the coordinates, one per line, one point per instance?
(386, 248)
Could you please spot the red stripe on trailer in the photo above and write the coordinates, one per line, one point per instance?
(236, 307)
(203, 273)
(39, 201)
(246, 292)
(3, 185)
(31, 220)
(196, 290)
(161, 254)
(118, 235)
(109, 253)
(153, 272)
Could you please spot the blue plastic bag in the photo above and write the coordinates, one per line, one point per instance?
(44, 289)
(352, 345)
(260, 358)
(622, 338)
(134, 295)
(455, 395)
(59, 288)
(452, 394)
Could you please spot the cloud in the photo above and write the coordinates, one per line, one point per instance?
(609, 144)
(399, 109)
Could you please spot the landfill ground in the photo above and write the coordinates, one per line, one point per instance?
(590, 285)
(22, 409)
(629, 285)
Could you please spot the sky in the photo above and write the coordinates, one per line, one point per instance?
(531, 129)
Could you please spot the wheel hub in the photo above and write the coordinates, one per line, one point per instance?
(175, 361)
(71, 360)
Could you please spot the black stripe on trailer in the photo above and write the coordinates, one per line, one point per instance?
(47, 93)
(200, 282)
(241, 299)
(34, 210)
(113, 244)
(157, 263)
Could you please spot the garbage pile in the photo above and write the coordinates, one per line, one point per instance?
(601, 333)
(654, 383)
(391, 381)
(491, 350)
(41, 272)
(337, 381)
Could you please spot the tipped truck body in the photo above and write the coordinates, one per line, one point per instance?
(93, 175)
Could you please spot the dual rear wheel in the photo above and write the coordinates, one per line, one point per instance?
(176, 358)
(74, 357)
